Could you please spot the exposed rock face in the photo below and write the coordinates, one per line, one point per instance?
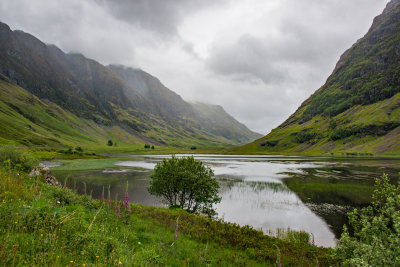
(44, 172)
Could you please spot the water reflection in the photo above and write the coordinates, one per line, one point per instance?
(268, 192)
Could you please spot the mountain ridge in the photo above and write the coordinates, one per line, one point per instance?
(95, 93)
(357, 109)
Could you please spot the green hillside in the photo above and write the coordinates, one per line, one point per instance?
(358, 108)
(68, 99)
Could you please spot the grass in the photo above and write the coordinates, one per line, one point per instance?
(28, 121)
(43, 225)
(87, 164)
(368, 136)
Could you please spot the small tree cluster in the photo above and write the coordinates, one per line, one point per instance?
(148, 146)
(185, 183)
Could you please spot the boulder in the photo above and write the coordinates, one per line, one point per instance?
(45, 173)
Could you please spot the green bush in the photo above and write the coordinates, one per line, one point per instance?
(185, 183)
(13, 158)
(376, 238)
(303, 137)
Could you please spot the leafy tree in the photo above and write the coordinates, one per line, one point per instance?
(376, 238)
(146, 146)
(185, 183)
(152, 147)
(109, 143)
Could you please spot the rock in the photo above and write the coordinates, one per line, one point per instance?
(45, 173)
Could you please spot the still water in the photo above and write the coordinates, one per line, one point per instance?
(311, 194)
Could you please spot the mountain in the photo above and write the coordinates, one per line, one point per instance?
(204, 117)
(124, 104)
(357, 110)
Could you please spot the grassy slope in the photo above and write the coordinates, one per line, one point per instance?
(26, 120)
(358, 108)
(376, 115)
(44, 225)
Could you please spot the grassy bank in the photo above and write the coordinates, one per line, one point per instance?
(44, 225)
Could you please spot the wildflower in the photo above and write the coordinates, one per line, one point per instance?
(126, 200)
(119, 211)
(97, 257)
(119, 262)
(102, 195)
(83, 265)
(41, 235)
(278, 257)
(177, 228)
(71, 261)
(109, 196)
(15, 222)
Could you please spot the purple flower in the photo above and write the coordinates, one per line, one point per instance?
(177, 228)
(126, 199)
(102, 195)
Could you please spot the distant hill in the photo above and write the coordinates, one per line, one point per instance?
(357, 110)
(119, 103)
(171, 107)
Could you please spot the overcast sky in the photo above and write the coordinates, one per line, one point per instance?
(259, 59)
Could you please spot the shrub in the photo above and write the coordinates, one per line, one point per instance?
(376, 238)
(109, 143)
(16, 159)
(303, 137)
(185, 183)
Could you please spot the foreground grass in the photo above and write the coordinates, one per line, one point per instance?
(42, 225)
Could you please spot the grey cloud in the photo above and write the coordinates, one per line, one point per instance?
(161, 16)
(260, 73)
(248, 59)
(312, 35)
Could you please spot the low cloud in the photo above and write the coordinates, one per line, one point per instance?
(257, 59)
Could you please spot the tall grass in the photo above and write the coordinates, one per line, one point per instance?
(41, 225)
(11, 157)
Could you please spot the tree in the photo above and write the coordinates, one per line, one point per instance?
(376, 238)
(185, 183)
(109, 142)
